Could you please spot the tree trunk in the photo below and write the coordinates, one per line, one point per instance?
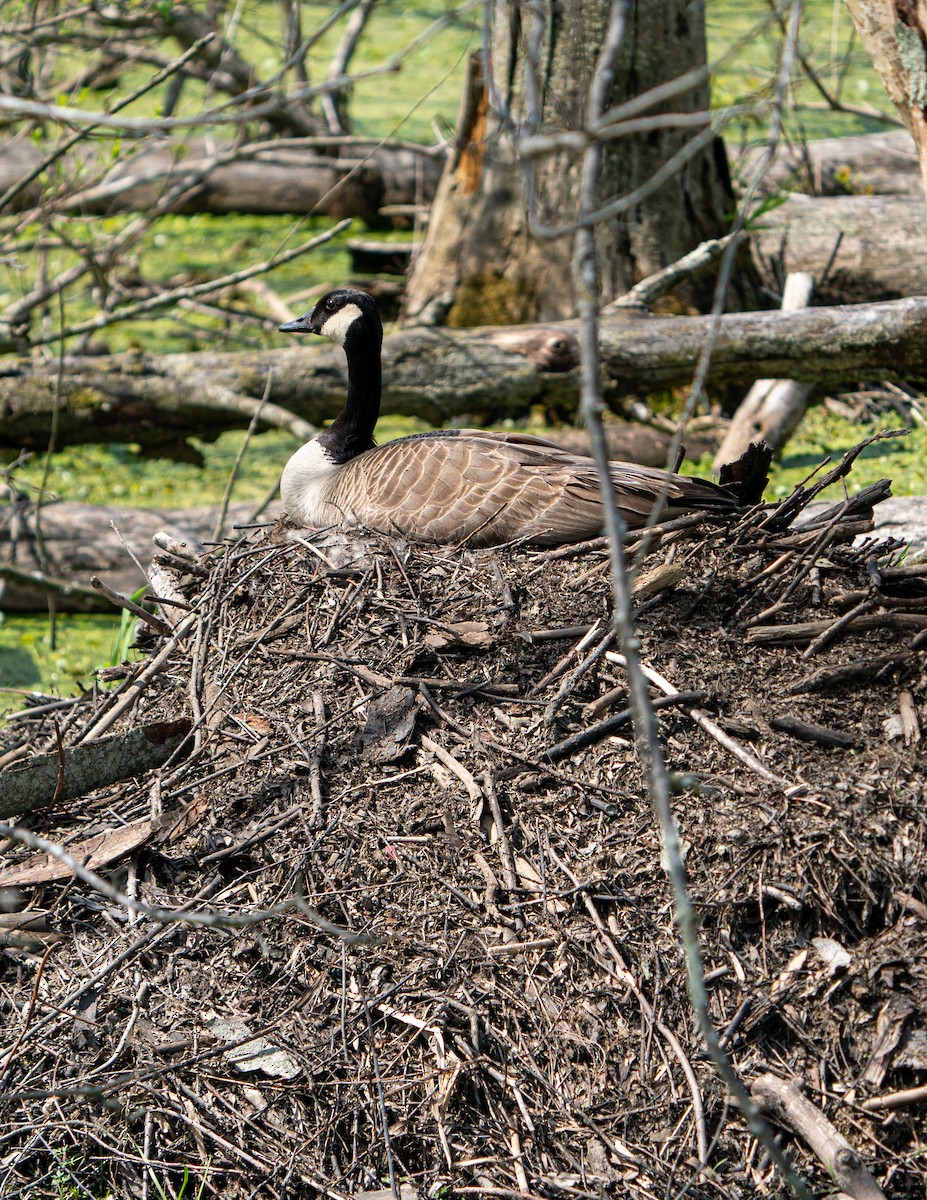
(894, 33)
(155, 400)
(482, 262)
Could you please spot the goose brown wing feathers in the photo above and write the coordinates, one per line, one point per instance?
(466, 486)
(488, 488)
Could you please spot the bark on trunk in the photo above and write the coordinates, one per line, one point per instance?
(443, 375)
(481, 261)
(894, 33)
(281, 178)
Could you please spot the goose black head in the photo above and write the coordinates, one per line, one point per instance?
(343, 316)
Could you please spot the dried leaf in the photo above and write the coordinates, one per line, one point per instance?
(474, 634)
(175, 825)
(258, 724)
(255, 1054)
(389, 726)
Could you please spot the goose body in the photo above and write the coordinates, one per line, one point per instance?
(457, 485)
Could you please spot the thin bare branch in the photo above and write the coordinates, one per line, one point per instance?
(173, 295)
(214, 919)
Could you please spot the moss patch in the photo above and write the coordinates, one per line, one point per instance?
(491, 298)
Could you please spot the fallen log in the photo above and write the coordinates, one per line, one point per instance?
(82, 540)
(441, 375)
(857, 247)
(288, 176)
(880, 164)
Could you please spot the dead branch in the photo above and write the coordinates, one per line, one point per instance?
(781, 1100)
(772, 408)
(297, 175)
(163, 299)
(124, 602)
(802, 632)
(54, 778)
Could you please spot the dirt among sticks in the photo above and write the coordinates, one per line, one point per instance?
(470, 982)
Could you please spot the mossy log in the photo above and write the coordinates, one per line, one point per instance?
(446, 375)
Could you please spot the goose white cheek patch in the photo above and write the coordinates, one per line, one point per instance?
(337, 326)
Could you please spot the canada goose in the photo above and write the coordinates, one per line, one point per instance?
(453, 485)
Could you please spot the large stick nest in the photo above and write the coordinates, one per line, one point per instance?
(477, 980)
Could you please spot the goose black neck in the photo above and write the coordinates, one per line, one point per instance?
(351, 433)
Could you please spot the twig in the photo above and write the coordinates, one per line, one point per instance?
(575, 675)
(127, 699)
(586, 279)
(317, 814)
(121, 601)
(557, 670)
(892, 1100)
(808, 732)
(27, 1016)
(781, 1100)
(835, 628)
(604, 729)
(233, 474)
(215, 919)
(172, 295)
(701, 718)
(474, 791)
(504, 949)
(804, 631)
(649, 290)
(862, 670)
(509, 874)
(910, 723)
